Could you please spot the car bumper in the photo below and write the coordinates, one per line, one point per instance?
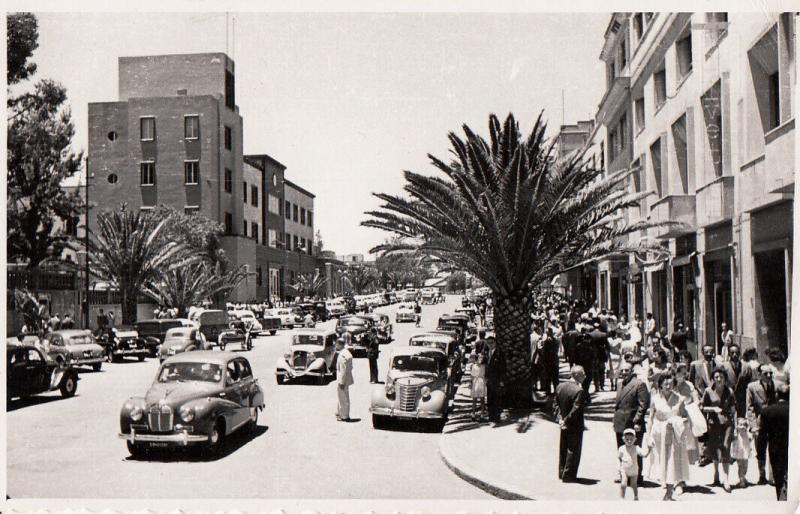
(394, 413)
(289, 374)
(86, 361)
(182, 438)
(137, 351)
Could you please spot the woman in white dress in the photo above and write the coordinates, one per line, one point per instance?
(668, 463)
(689, 395)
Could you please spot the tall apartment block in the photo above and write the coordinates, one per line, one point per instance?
(175, 137)
(702, 105)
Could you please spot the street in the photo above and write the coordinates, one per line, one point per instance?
(69, 447)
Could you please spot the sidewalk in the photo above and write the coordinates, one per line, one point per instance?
(517, 458)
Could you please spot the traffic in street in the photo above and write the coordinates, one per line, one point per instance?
(297, 450)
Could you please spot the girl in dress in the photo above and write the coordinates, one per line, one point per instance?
(668, 463)
(741, 449)
(478, 389)
(719, 406)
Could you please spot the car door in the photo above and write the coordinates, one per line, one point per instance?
(17, 372)
(329, 350)
(36, 367)
(234, 393)
(248, 383)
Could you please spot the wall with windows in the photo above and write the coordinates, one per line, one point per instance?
(299, 224)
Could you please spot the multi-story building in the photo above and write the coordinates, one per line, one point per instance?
(701, 105)
(175, 137)
(298, 209)
(352, 258)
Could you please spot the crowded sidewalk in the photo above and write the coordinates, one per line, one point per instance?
(517, 458)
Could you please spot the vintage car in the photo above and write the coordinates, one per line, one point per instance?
(405, 312)
(450, 345)
(428, 296)
(30, 371)
(313, 354)
(212, 322)
(321, 311)
(410, 295)
(289, 318)
(182, 339)
(417, 387)
(269, 323)
(358, 327)
(384, 325)
(123, 341)
(153, 331)
(251, 322)
(237, 333)
(459, 322)
(196, 398)
(74, 347)
(335, 308)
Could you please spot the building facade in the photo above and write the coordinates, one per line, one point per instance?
(701, 106)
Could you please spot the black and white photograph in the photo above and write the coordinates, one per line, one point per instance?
(398, 255)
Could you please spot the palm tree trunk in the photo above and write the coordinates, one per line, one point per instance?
(129, 300)
(512, 319)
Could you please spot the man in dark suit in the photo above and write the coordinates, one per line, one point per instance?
(678, 338)
(630, 408)
(584, 356)
(495, 371)
(568, 406)
(774, 428)
(701, 370)
(760, 395)
(373, 350)
(569, 341)
(601, 348)
(549, 362)
(748, 373)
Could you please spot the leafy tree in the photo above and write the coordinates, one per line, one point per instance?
(128, 252)
(359, 278)
(457, 282)
(198, 232)
(33, 312)
(512, 215)
(309, 284)
(22, 38)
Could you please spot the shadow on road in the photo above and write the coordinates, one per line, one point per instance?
(31, 401)
(196, 454)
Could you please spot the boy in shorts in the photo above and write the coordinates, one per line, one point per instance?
(628, 464)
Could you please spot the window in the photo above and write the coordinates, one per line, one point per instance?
(288, 210)
(623, 51)
(254, 231)
(310, 218)
(716, 27)
(244, 192)
(259, 280)
(147, 171)
(288, 241)
(244, 228)
(228, 181)
(191, 172)
(683, 52)
(681, 151)
(310, 248)
(294, 213)
(638, 26)
(660, 87)
(623, 131)
(273, 238)
(302, 216)
(638, 107)
(230, 90)
(228, 138)
(228, 223)
(774, 100)
(764, 68)
(191, 127)
(274, 205)
(72, 226)
(191, 210)
(147, 128)
(655, 157)
(602, 155)
(254, 196)
(295, 246)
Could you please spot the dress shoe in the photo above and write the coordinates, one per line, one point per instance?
(617, 481)
(762, 481)
(569, 480)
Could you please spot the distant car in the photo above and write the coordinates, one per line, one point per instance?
(152, 331)
(384, 326)
(405, 312)
(459, 322)
(358, 328)
(248, 318)
(74, 347)
(237, 333)
(197, 398)
(30, 371)
(182, 339)
(450, 345)
(289, 318)
(428, 297)
(335, 308)
(417, 387)
(212, 323)
(269, 322)
(123, 341)
(312, 354)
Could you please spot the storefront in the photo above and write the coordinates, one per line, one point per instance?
(717, 267)
(684, 290)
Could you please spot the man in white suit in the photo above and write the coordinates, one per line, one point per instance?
(344, 378)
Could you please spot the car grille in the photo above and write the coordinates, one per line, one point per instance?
(407, 397)
(299, 360)
(160, 420)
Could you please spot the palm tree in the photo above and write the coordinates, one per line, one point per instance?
(359, 278)
(307, 284)
(511, 215)
(128, 253)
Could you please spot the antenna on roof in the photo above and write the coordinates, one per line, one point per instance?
(562, 107)
(226, 33)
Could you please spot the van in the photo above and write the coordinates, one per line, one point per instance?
(212, 323)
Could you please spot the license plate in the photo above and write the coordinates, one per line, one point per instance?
(159, 445)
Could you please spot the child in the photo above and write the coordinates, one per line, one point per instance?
(628, 465)
(478, 389)
(741, 449)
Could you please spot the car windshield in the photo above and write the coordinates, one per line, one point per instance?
(80, 339)
(308, 339)
(415, 363)
(190, 372)
(430, 343)
(354, 321)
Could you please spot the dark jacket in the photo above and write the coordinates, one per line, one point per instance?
(568, 405)
(495, 366)
(678, 340)
(584, 353)
(631, 405)
(774, 426)
(600, 344)
(700, 375)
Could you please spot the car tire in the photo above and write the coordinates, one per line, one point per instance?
(321, 379)
(141, 358)
(136, 450)
(97, 366)
(279, 379)
(378, 422)
(222, 345)
(273, 332)
(61, 362)
(68, 386)
(253, 423)
(215, 439)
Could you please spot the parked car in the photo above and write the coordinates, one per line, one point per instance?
(321, 311)
(405, 312)
(212, 323)
(249, 319)
(459, 322)
(74, 347)
(313, 354)
(152, 331)
(358, 327)
(417, 387)
(428, 297)
(289, 318)
(182, 339)
(123, 341)
(237, 333)
(196, 398)
(269, 322)
(384, 326)
(450, 345)
(335, 308)
(30, 371)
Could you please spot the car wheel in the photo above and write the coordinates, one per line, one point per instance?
(141, 358)
(97, 365)
(222, 345)
(273, 332)
(279, 379)
(215, 438)
(321, 379)
(378, 422)
(136, 450)
(68, 386)
(253, 423)
(110, 356)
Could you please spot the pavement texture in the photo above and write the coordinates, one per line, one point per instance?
(517, 458)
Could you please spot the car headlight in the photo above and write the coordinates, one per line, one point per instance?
(287, 356)
(389, 388)
(426, 392)
(187, 414)
(136, 413)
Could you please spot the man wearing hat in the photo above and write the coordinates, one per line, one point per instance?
(630, 408)
(373, 349)
(601, 350)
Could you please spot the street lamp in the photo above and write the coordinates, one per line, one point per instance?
(86, 247)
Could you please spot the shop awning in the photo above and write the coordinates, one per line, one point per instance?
(683, 260)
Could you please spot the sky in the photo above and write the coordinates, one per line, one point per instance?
(347, 101)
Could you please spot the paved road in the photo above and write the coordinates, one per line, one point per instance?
(69, 448)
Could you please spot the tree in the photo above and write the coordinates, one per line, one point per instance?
(39, 159)
(309, 284)
(22, 38)
(198, 232)
(128, 252)
(359, 278)
(457, 282)
(512, 215)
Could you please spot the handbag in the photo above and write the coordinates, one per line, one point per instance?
(696, 420)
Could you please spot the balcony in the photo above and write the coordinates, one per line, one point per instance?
(680, 208)
(770, 176)
(715, 201)
(614, 99)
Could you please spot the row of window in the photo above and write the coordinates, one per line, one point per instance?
(298, 214)
(253, 194)
(191, 129)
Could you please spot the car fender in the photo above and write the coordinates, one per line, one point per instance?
(257, 399)
(379, 398)
(317, 364)
(437, 402)
(282, 364)
(219, 407)
(61, 374)
(124, 413)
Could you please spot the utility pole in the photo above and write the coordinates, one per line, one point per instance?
(86, 250)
